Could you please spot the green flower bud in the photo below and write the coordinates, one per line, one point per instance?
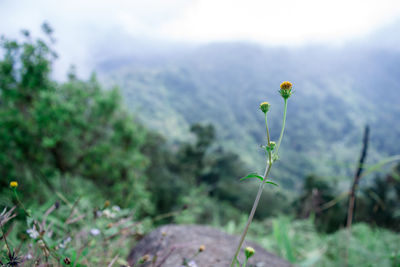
(144, 259)
(249, 251)
(264, 106)
(271, 146)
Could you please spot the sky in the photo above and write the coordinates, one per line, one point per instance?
(82, 26)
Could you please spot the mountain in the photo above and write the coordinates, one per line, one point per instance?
(337, 92)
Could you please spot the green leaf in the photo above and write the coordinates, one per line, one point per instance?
(252, 175)
(269, 182)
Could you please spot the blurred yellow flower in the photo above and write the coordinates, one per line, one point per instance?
(14, 184)
(286, 89)
(286, 85)
(202, 248)
(249, 251)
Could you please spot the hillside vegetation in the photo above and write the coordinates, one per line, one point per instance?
(83, 179)
(337, 92)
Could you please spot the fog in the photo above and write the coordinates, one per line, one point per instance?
(89, 31)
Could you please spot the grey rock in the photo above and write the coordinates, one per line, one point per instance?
(171, 244)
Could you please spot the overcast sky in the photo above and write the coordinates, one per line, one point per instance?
(82, 25)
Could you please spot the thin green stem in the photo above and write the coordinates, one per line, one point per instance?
(283, 129)
(266, 126)
(245, 262)
(268, 139)
(20, 203)
(253, 209)
(5, 239)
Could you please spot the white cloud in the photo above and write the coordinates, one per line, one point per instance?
(278, 21)
(281, 22)
(83, 27)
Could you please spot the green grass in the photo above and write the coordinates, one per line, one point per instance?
(300, 243)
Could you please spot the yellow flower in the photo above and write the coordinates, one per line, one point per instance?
(14, 184)
(264, 106)
(286, 85)
(202, 248)
(249, 251)
(286, 89)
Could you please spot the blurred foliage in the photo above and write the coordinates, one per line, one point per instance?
(377, 203)
(301, 243)
(79, 227)
(73, 146)
(224, 83)
(317, 192)
(199, 171)
(72, 129)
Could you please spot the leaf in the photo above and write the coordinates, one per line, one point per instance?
(252, 175)
(269, 182)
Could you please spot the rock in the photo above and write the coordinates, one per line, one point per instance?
(171, 244)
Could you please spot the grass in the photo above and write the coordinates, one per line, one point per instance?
(298, 242)
(70, 232)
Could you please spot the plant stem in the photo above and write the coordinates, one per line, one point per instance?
(245, 262)
(5, 239)
(269, 141)
(20, 203)
(283, 128)
(260, 189)
(253, 210)
(266, 126)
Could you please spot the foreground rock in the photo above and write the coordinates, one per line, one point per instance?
(173, 243)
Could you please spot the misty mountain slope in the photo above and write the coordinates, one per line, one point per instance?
(337, 91)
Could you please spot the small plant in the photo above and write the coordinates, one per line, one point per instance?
(248, 252)
(271, 151)
(67, 233)
(190, 262)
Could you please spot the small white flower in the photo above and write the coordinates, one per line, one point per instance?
(94, 231)
(65, 242)
(191, 263)
(28, 256)
(116, 208)
(33, 233)
(108, 214)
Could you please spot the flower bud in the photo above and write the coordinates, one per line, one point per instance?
(249, 251)
(144, 259)
(264, 106)
(286, 89)
(41, 243)
(14, 184)
(202, 248)
(271, 146)
(67, 261)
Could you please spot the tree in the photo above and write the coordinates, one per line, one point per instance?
(72, 129)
